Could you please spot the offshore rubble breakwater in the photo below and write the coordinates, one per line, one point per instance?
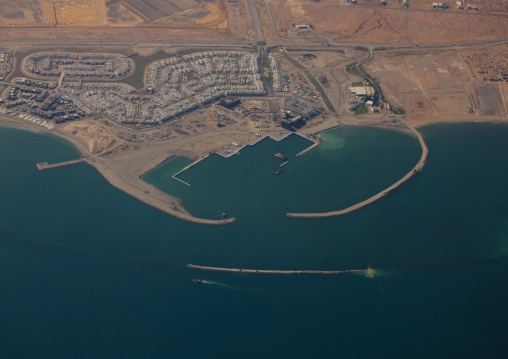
(268, 271)
(417, 168)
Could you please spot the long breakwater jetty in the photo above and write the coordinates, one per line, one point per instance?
(266, 271)
(315, 144)
(42, 166)
(417, 168)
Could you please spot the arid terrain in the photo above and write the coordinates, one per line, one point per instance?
(369, 22)
(437, 86)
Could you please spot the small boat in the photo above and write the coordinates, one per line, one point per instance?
(280, 156)
(278, 172)
(223, 215)
(197, 281)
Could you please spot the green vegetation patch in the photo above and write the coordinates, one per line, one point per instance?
(398, 110)
(357, 69)
(361, 48)
(360, 110)
(357, 84)
(316, 83)
(381, 48)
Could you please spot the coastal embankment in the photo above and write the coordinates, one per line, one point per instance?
(150, 195)
(267, 271)
(417, 168)
(123, 174)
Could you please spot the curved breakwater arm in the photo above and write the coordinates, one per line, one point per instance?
(417, 168)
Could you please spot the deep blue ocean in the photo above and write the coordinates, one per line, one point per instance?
(89, 272)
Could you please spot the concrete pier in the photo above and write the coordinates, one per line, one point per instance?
(42, 166)
(316, 143)
(265, 271)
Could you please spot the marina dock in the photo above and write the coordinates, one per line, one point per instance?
(42, 166)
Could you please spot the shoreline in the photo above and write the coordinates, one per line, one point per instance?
(130, 182)
(138, 189)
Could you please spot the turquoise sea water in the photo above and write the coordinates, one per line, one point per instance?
(88, 271)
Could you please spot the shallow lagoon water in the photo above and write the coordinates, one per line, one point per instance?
(89, 271)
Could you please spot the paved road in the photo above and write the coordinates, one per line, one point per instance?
(227, 43)
(322, 42)
(256, 27)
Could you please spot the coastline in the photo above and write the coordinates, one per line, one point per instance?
(136, 188)
(125, 174)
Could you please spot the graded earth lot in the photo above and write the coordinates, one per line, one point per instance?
(429, 85)
(436, 86)
(112, 12)
(489, 100)
(151, 10)
(385, 25)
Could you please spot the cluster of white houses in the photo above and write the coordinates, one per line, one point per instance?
(87, 65)
(276, 73)
(175, 86)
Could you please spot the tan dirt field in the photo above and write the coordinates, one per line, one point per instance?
(120, 33)
(202, 14)
(95, 134)
(428, 84)
(74, 12)
(392, 4)
(264, 20)
(119, 14)
(489, 63)
(385, 26)
(498, 6)
(238, 20)
(20, 13)
(324, 59)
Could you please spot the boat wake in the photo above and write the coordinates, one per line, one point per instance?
(226, 286)
(217, 283)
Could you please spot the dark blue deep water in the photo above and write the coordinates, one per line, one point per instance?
(89, 272)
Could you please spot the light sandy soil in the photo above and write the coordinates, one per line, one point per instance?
(498, 6)
(488, 63)
(92, 19)
(238, 20)
(430, 85)
(83, 12)
(388, 26)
